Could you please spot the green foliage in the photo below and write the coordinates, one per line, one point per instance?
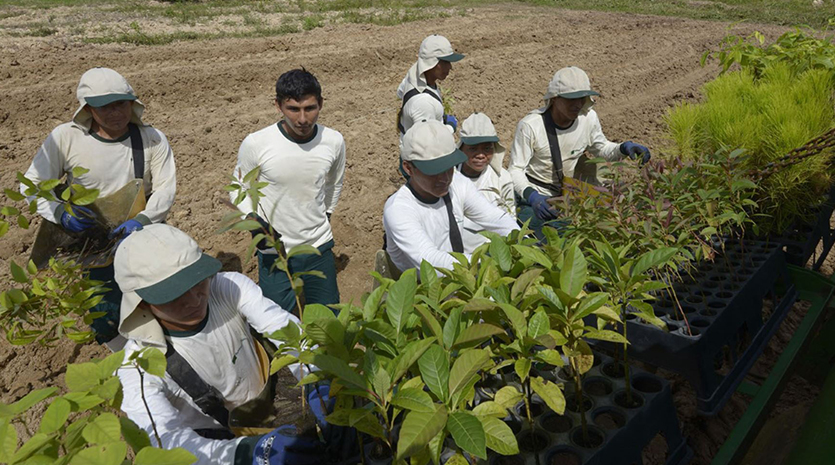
(81, 427)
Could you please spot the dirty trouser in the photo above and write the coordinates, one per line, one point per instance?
(106, 327)
(525, 212)
(276, 287)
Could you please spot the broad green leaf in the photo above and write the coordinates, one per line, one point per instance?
(499, 436)
(538, 324)
(26, 181)
(34, 444)
(607, 314)
(153, 361)
(476, 334)
(574, 273)
(400, 300)
(436, 446)
(516, 319)
(508, 397)
(490, 409)
(522, 367)
(451, 327)
(55, 416)
(313, 312)
(83, 196)
(381, 383)
(434, 370)
(551, 357)
(418, 429)
(408, 357)
(477, 304)
(82, 401)
(468, 433)
(550, 393)
(430, 321)
(104, 429)
(303, 250)
(457, 459)
(533, 254)
(413, 399)
(523, 282)
(8, 441)
(33, 398)
(154, 456)
(79, 171)
(607, 335)
(371, 307)
(110, 364)
(465, 368)
(280, 362)
(653, 259)
(336, 367)
(18, 274)
(500, 252)
(135, 436)
(246, 225)
(365, 421)
(14, 196)
(327, 333)
(588, 304)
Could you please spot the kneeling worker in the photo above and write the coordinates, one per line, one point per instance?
(175, 299)
(423, 220)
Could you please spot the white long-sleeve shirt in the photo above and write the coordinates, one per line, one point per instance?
(304, 181)
(222, 353)
(531, 153)
(421, 106)
(417, 231)
(496, 188)
(110, 165)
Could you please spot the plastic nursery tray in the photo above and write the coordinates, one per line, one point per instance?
(619, 433)
(729, 326)
(801, 240)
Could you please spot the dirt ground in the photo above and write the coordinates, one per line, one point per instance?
(207, 96)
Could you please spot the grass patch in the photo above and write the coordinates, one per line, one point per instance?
(312, 22)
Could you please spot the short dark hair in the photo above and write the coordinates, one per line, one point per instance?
(297, 83)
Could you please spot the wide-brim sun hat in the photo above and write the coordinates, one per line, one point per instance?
(430, 146)
(478, 129)
(102, 86)
(571, 83)
(156, 264)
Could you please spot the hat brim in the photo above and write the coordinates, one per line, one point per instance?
(475, 140)
(452, 58)
(102, 100)
(579, 94)
(439, 165)
(180, 282)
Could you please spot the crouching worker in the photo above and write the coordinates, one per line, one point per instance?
(175, 299)
(480, 143)
(423, 220)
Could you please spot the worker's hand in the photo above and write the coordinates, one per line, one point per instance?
(632, 150)
(265, 229)
(81, 219)
(543, 210)
(451, 120)
(341, 440)
(282, 446)
(125, 229)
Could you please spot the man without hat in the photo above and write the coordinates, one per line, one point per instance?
(480, 143)
(100, 138)
(420, 93)
(551, 143)
(175, 299)
(423, 220)
(303, 164)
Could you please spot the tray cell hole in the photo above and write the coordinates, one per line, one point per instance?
(694, 299)
(564, 456)
(609, 419)
(621, 400)
(724, 295)
(556, 424)
(592, 440)
(699, 323)
(537, 409)
(509, 460)
(597, 387)
(532, 441)
(571, 402)
(613, 370)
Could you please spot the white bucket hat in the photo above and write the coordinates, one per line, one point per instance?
(571, 83)
(477, 129)
(156, 264)
(431, 148)
(433, 49)
(99, 87)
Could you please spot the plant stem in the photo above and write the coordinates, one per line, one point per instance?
(145, 401)
(578, 390)
(626, 368)
(527, 397)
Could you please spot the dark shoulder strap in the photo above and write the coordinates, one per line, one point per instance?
(138, 151)
(554, 144)
(454, 232)
(205, 396)
(408, 95)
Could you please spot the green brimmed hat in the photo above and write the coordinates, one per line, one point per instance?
(478, 129)
(156, 264)
(571, 83)
(430, 146)
(102, 86)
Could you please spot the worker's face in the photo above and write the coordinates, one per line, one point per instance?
(440, 71)
(478, 156)
(186, 311)
(567, 109)
(113, 117)
(429, 186)
(300, 116)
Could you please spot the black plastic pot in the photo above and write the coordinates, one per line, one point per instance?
(617, 434)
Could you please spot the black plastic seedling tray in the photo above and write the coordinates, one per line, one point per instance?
(800, 241)
(724, 327)
(618, 433)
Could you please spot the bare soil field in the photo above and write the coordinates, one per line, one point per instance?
(206, 96)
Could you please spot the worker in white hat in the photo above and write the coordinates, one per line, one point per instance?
(552, 142)
(175, 299)
(107, 137)
(424, 219)
(420, 93)
(479, 141)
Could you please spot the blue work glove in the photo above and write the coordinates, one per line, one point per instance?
(341, 440)
(632, 150)
(125, 229)
(541, 208)
(265, 229)
(452, 121)
(81, 219)
(282, 447)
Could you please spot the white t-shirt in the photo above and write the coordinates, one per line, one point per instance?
(420, 107)
(531, 153)
(111, 167)
(498, 189)
(304, 181)
(417, 231)
(222, 354)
